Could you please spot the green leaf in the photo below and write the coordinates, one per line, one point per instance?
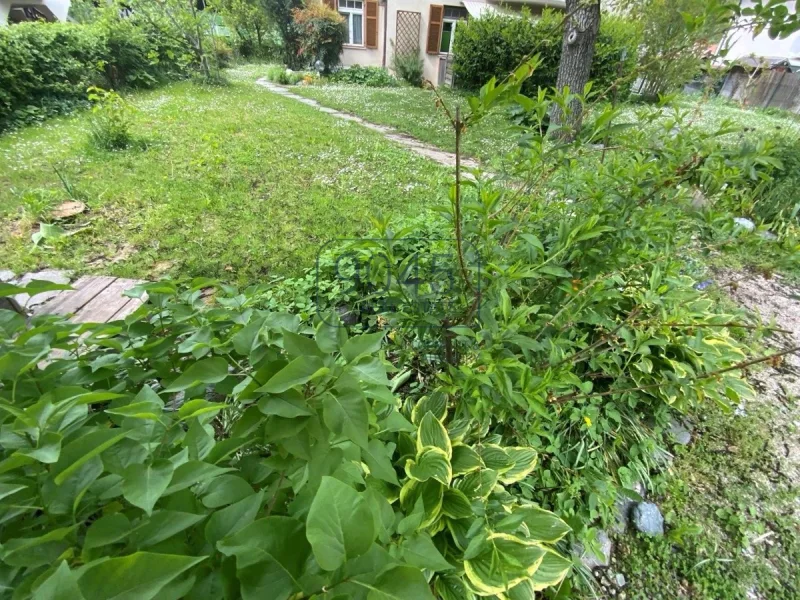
(435, 403)
(61, 585)
(503, 562)
(494, 457)
(195, 408)
(456, 505)
(330, 336)
(551, 571)
(191, 473)
(86, 447)
(34, 552)
(231, 519)
(340, 525)
(431, 463)
(400, 583)
(524, 460)
(452, 588)
(162, 525)
(554, 270)
(477, 484)
(47, 450)
(286, 406)
(345, 412)
(396, 422)
(369, 370)
(270, 557)
(226, 489)
(7, 489)
(419, 551)
(465, 460)
(431, 432)
(542, 524)
(210, 370)
(379, 461)
(297, 372)
(144, 485)
(139, 576)
(37, 286)
(300, 345)
(368, 343)
(107, 530)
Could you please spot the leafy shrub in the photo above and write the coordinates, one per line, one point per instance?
(209, 444)
(366, 76)
(493, 45)
(111, 120)
(321, 32)
(409, 67)
(282, 75)
(45, 68)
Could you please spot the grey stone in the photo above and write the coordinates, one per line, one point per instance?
(623, 506)
(681, 432)
(588, 558)
(348, 317)
(52, 275)
(619, 579)
(745, 223)
(699, 199)
(647, 519)
(768, 235)
(6, 276)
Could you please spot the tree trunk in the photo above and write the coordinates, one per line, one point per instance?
(577, 50)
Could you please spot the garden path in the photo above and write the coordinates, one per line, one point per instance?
(447, 159)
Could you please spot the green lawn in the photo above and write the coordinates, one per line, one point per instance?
(235, 182)
(413, 111)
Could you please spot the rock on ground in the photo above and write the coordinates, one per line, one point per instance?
(588, 558)
(647, 519)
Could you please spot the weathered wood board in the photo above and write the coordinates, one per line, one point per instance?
(93, 300)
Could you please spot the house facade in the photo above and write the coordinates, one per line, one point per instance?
(15, 11)
(377, 29)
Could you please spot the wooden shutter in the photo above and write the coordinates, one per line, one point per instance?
(371, 35)
(435, 28)
(330, 4)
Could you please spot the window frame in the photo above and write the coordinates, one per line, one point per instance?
(347, 12)
(461, 15)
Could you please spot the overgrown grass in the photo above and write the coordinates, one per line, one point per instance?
(413, 111)
(234, 182)
(731, 511)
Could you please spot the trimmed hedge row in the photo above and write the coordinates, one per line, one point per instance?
(45, 68)
(494, 45)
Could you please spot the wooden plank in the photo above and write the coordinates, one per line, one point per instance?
(86, 290)
(127, 309)
(107, 304)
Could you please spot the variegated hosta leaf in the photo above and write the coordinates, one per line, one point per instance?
(494, 457)
(504, 562)
(465, 460)
(431, 432)
(458, 428)
(542, 525)
(431, 463)
(459, 528)
(456, 505)
(478, 484)
(551, 571)
(524, 460)
(452, 588)
(430, 491)
(436, 403)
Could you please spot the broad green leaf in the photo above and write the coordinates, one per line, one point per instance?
(162, 525)
(300, 345)
(419, 551)
(542, 524)
(400, 583)
(270, 557)
(7, 489)
(226, 489)
(494, 457)
(465, 460)
(47, 450)
(287, 405)
(524, 460)
(345, 412)
(551, 571)
(196, 408)
(431, 463)
(431, 432)
(340, 525)
(451, 587)
(144, 485)
(431, 492)
(503, 562)
(435, 403)
(36, 551)
(379, 461)
(396, 422)
(61, 585)
(86, 447)
(210, 370)
(192, 472)
(477, 484)
(368, 343)
(369, 370)
(456, 505)
(231, 519)
(107, 530)
(139, 576)
(297, 372)
(37, 286)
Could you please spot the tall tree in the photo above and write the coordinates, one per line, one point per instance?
(280, 13)
(581, 26)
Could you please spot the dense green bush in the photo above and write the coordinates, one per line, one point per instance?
(366, 76)
(321, 32)
(493, 45)
(409, 67)
(45, 68)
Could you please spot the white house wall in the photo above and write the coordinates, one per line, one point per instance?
(59, 8)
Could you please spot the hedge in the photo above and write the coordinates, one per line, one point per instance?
(494, 44)
(45, 68)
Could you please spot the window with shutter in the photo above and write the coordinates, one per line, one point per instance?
(371, 33)
(434, 28)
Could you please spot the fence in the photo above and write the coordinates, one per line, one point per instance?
(776, 88)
